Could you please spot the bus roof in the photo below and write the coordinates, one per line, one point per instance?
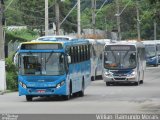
(157, 41)
(63, 42)
(99, 41)
(54, 37)
(149, 42)
(124, 42)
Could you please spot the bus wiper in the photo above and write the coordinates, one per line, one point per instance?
(49, 57)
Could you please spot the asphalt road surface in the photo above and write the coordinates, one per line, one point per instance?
(98, 98)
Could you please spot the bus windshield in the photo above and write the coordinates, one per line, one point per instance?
(120, 59)
(150, 50)
(41, 64)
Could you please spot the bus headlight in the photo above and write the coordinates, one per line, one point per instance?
(60, 84)
(23, 85)
(107, 74)
(132, 75)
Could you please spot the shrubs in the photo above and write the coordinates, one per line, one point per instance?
(11, 75)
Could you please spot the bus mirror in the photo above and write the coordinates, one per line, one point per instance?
(69, 59)
(15, 59)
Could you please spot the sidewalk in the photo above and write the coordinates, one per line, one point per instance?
(3, 92)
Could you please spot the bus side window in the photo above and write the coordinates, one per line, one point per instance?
(76, 54)
(85, 47)
(83, 56)
(71, 54)
(88, 52)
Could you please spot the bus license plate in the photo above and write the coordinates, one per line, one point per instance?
(41, 91)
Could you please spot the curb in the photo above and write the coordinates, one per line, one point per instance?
(3, 92)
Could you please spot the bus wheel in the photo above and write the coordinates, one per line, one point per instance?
(29, 98)
(67, 97)
(108, 84)
(136, 83)
(92, 78)
(156, 65)
(81, 93)
(141, 82)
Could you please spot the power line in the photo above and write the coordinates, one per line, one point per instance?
(68, 14)
(101, 6)
(26, 14)
(8, 5)
(18, 23)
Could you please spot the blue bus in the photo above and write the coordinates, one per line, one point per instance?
(124, 62)
(151, 52)
(53, 68)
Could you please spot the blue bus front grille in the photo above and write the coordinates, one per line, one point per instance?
(40, 80)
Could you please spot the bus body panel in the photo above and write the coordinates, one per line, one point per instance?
(36, 83)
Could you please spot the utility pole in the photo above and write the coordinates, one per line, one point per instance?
(79, 18)
(93, 16)
(155, 30)
(46, 17)
(118, 20)
(138, 20)
(155, 25)
(57, 17)
(2, 56)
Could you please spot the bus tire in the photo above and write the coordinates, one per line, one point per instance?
(108, 84)
(141, 81)
(67, 97)
(136, 83)
(156, 65)
(29, 98)
(81, 93)
(92, 78)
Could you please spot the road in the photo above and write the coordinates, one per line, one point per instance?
(98, 98)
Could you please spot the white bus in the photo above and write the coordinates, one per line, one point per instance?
(124, 62)
(97, 46)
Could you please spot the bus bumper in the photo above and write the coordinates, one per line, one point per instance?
(35, 91)
(120, 80)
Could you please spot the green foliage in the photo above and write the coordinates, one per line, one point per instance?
(21, 35)
(31, 14)
(11, 75)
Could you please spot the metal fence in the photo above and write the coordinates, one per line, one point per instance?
(12, 47)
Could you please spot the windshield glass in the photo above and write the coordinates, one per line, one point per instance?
(120, 59)
(150, 50)
(41, 64)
